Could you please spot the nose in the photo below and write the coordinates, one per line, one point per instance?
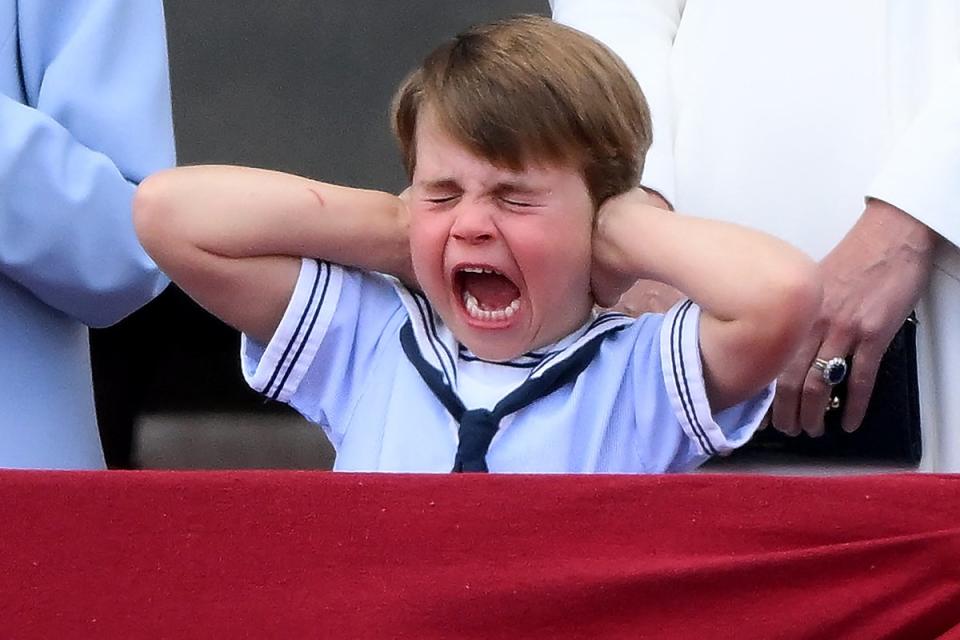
(473, 223)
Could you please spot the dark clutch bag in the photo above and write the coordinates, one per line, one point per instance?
(891, 428)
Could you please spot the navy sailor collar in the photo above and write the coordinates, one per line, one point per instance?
(441, 351)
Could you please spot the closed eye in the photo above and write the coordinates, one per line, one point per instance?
(441, 200)
(518, 203)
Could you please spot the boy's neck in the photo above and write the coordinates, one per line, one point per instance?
(540, 349)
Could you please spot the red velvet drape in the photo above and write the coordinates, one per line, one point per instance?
(322, 555)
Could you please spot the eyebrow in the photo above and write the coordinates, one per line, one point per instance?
(499, 188)
(443, 184)
(518, 188)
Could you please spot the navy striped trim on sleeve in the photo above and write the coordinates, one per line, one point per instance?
(680, 378)
(311, 311)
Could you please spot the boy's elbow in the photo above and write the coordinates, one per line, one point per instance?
(153, 212)
(795, 304)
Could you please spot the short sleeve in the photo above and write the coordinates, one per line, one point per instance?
(323, 352)
(713, 433)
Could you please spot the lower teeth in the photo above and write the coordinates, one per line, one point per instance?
(473, 308)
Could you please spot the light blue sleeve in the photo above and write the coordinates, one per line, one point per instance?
(712, 433)
(90, 119)
(330, 344)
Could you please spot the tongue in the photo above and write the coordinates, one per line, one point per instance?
(492, 291)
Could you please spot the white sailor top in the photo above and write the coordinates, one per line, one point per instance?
(639, 406)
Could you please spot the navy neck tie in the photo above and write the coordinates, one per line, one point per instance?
(478, 426)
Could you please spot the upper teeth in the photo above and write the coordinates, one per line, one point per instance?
(479, 270)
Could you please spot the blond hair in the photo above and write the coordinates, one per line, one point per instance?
(527, 90)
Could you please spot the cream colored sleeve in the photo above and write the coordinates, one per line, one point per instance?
(922, 173)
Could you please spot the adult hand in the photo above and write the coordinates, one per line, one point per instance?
(872, 280)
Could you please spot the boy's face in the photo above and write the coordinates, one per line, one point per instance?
(503, 256)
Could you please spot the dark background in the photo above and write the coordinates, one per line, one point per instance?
(296, 85)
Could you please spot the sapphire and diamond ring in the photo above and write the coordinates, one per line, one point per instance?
(832, 371)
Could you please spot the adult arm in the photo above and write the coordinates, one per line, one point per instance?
(232, 237)
(93, 120)
(874, 277)
(752, 317)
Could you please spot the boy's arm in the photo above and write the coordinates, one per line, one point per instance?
(232, 237)
(759, 295)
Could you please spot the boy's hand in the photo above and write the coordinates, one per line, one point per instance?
(649, 296)
(405, 271)
(610, 275)
(607, 284)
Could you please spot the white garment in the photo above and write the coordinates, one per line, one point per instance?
(639, 406)
(784, 116)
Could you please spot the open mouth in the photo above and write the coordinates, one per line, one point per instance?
(487, 294)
